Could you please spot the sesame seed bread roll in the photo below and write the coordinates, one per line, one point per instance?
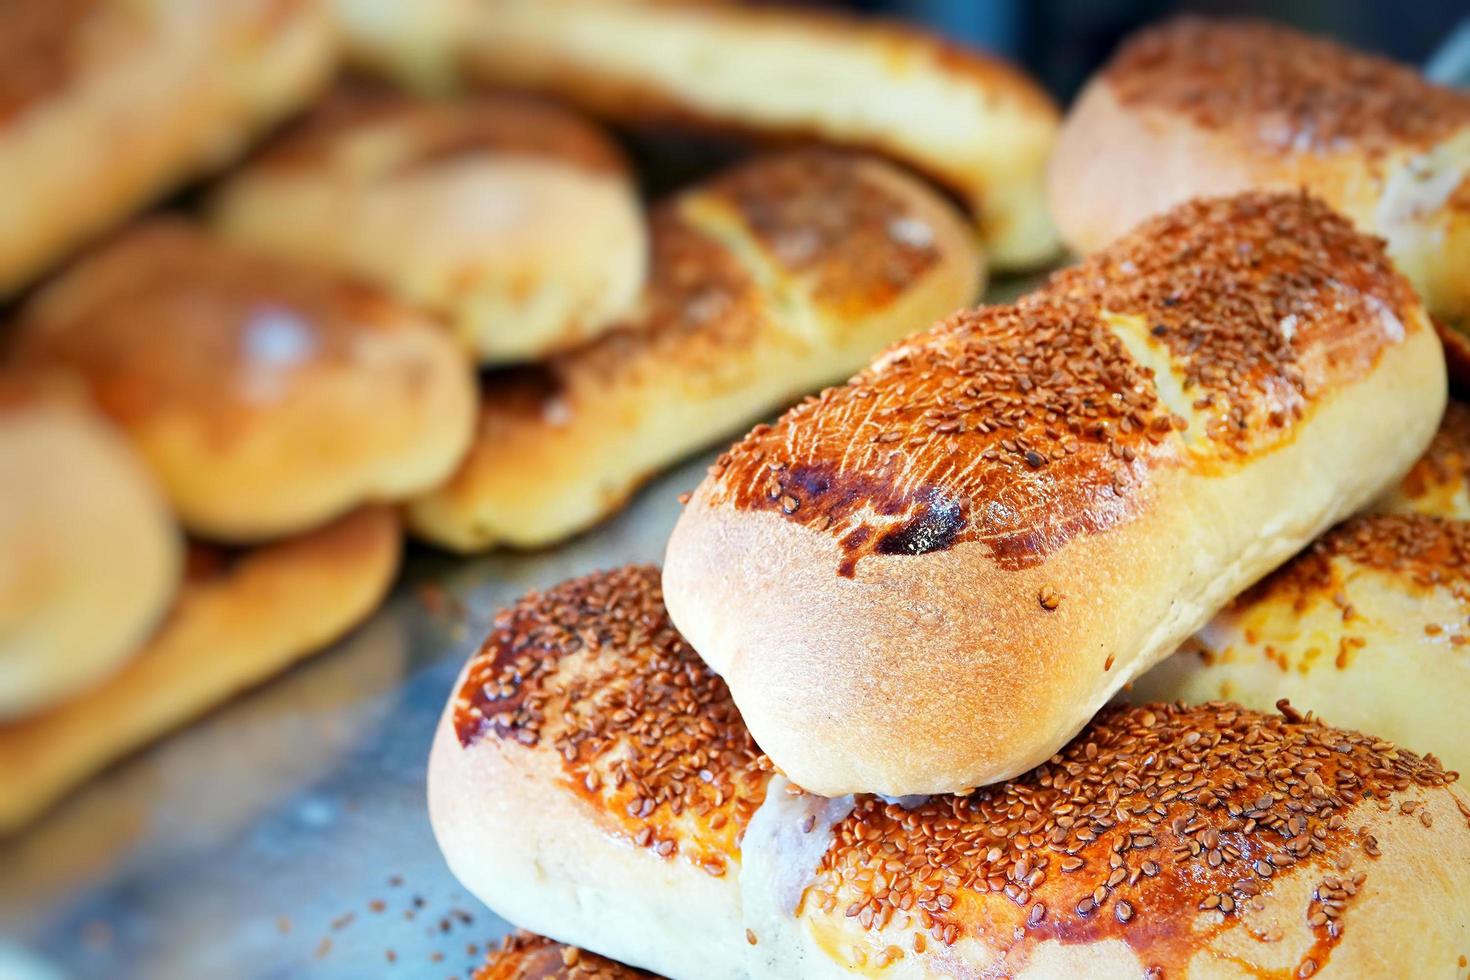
(240, 618)
(267, 398)
(1439, 483)
(1045, 499)
(523, 956)
(90, 557)
(590, 779)
(1196, 107)
(107, 104)
(768, 281)
(513, 221)
(971, 122)
(1164, 841)
(1369, 628)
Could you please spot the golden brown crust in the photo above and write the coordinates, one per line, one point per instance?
(39, 49)
(523, 956)
(1289, 91)
(1439, 483)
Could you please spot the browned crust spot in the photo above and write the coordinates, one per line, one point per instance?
(525, 956)
(1447, 460)
(1150, 815)
(1290, 91)
(40, 50)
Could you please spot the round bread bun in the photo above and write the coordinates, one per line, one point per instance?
(106, 104)
(91, 555)
(778, 276)
(1439, 483)
(512, 220)
(589, 765)
(1195, 108)
(523, 956)
(267, 398)
(240, 618)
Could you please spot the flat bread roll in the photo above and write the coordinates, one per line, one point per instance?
(523, 956)
(1369, 628)
(1048, 498)
(267, 398)
(779, 276)
(512, 220)
(90, 556)
(588, 758)
(240, 619)
(971, 122)
(1197, 107)
(107, 104)
(1439, 483)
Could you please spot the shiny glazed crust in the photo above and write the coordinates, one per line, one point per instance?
(1203, 842)
(267, 398)
(169, 88)
(1198, 107)
(512, 220)
(91, 555)
(768, 281)
(971, 122)
(239, 619)
(930, 578)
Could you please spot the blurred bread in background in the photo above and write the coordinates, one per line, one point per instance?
(1439, 483)
(969, 121)
(267, 398)
(513, 220)
(1196, 107)
(785, 273)
(107, 104)
(90, 554)
(242, 616)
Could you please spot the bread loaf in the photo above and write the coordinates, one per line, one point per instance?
(267, 398)
(512, 220)
(106, 104)
(930, 578)
(523, 956)
(1197, 107)
(1439, 483)
(241, 617)
(768, 281)
(589, 765)
(969, 121)
(90, 556)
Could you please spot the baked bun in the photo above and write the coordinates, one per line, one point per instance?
(91, 555)
(1197, 107)
(267, 398)
(523, 956)
(590, 779)
(512, 220)
(106, 104)
(1369, 628)
(240, 618)
(1162, 841)
(1439, 484)
(930, 578)
(781, 275)
(972, 122)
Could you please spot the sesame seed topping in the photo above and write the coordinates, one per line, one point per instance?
(522, 956)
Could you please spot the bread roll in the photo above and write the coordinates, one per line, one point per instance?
(106, 104)
(89, 554)
(1162, 841)
(268, 399)
(779, 276)
(241, 617)
(1198, 107)
(1439, 483)
(522, 956)
(512, 220)
(971, 122)
(930, 578)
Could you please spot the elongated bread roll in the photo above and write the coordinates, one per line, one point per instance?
(512, 220)
(1439, 483)
(523, 956)
(267, 398)
(1197, 107)
(970, 121)
(240, 618)
(106, 104)
(930, 578)
(769, 281)
(89, 554)
(1163, 841)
